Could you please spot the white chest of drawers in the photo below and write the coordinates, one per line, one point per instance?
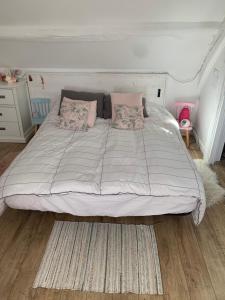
(15, 118)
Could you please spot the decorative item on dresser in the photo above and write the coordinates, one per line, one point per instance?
(15, 116)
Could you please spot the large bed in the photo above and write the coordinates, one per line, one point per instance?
(106, 171)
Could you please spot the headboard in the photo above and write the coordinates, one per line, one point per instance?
(49, 84)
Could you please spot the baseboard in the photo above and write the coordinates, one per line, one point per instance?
(199, 142)
(28, 134)
(12, 139)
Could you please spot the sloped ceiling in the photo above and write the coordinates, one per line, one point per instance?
(67, 12)
(143, 35)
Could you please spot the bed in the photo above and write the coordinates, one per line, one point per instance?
(106, 171)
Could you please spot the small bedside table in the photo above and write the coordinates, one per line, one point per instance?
(186, 132)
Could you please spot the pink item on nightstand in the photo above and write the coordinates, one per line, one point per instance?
(184, 110)
(184, 114)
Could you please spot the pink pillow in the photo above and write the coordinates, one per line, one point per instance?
(91, 111)
(73, 115)
(129, 99)
(128, 117)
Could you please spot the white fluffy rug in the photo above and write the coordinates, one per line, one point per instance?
(214, 192)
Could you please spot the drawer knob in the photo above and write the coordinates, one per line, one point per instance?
(2, 96)
(1, 114)
(2, 128)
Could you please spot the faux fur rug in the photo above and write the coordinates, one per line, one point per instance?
(214, 192)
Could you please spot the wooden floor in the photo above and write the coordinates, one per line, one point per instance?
(192, 258)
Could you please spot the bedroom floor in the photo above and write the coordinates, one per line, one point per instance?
(192, 258)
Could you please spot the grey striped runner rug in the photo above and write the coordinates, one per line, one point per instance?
(101, 257)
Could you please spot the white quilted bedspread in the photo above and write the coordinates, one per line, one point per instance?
(106, 161)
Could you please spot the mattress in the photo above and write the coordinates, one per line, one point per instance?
(105, 205)
(106, 171)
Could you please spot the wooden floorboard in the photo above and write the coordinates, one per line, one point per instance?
(193, 263)
(212, 245)
(173, 276)
(192, 257)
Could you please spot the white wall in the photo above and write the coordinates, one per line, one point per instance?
(188, 92)
(105, 11)
(98, 82)
(179, 52)
(210, 98)
(145, 36)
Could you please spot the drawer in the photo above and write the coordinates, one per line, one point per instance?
(8, 114)
(9, 129)
(6, 97)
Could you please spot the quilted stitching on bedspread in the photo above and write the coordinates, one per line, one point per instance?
(104, 160)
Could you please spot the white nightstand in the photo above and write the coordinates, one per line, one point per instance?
(15, 116)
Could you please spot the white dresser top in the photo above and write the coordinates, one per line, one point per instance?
(5, 85)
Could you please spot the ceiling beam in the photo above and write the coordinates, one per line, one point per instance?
(102, 33)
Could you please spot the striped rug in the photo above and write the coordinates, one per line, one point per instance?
(101, 257)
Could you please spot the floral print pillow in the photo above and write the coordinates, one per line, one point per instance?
(128, 117)
(74, 116)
